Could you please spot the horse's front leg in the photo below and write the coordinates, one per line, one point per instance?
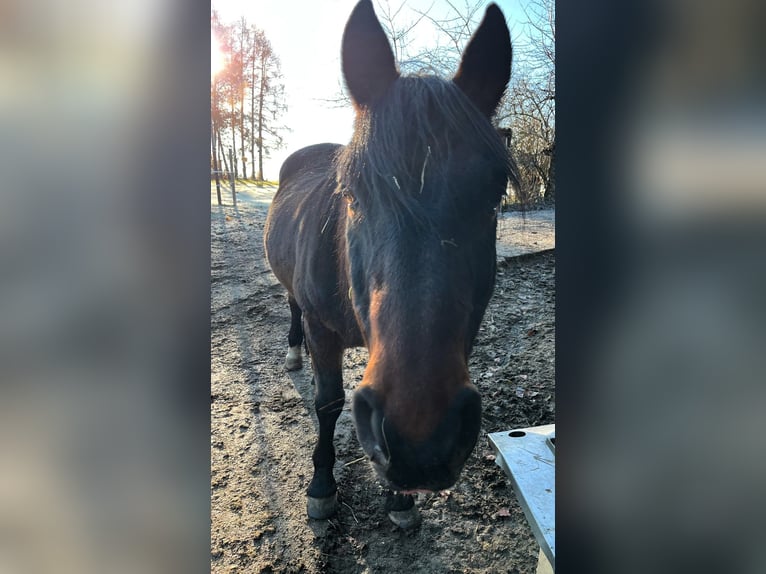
(326, 352)
(402, 510)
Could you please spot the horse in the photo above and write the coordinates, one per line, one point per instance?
(388, 242)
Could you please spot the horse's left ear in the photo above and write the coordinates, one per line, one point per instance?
(486, 65)
(368, 61)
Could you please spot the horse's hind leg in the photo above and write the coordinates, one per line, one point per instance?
(294, 359)
(326, 353)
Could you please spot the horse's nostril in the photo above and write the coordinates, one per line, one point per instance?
(369, 426)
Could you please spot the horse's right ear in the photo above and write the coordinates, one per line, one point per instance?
(368, 62)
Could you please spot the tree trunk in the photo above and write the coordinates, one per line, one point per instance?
(213, 134)
(243, 44)
(550, 178)
(242, 137)
(222, 154)
(252, 109)
(260, 118)
(233, 138)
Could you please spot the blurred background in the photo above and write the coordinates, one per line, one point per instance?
(661, 197)
(104, 289)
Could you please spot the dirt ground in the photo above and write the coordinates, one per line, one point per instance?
(263, 425)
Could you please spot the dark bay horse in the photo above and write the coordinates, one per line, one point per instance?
(389, 242)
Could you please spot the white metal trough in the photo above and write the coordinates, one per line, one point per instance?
(528, 458)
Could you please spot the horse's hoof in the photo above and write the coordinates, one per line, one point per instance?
(405, 519)
(294, 359)
(322, 508)
(293, 363)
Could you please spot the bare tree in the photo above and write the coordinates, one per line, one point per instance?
(218, 88)
(529, 107)
(246, 40)
(455, 29)
(541, 29)
(269, 93)
(531, 119)
(226, 89)
(252, 76)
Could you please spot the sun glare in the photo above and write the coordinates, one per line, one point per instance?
(216, 57)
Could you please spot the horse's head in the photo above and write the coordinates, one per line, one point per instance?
(423, 176)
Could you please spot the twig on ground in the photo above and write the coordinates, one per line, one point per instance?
(352, 511)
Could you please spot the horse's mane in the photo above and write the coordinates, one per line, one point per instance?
(411, 136)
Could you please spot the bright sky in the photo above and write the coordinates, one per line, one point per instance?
(306, 35)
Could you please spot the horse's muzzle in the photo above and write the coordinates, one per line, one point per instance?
(430, 464)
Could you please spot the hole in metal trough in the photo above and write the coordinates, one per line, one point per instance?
(517, 433)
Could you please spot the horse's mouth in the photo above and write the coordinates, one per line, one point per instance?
(415, 491)
(412, 489)
(425, 487)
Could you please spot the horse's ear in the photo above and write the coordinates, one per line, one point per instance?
(368, 62)
(486, 65)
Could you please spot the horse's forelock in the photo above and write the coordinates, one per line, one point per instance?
(410, 135)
